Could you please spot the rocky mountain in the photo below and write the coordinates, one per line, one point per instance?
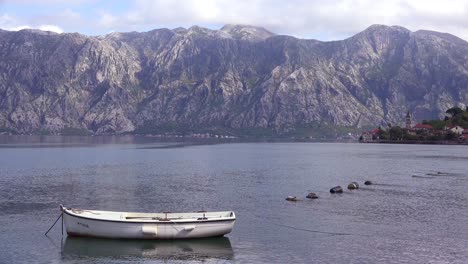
(235, 78)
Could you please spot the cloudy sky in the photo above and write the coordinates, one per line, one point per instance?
(324, 20)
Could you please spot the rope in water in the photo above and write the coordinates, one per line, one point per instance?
(309, 230)
(60, 216)
(299, 228)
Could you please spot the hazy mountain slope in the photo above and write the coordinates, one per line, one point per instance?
(236, 77)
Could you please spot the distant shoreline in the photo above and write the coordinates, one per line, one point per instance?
(417, 142)
(179, 138)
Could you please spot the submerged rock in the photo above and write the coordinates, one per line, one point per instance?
(368, 183)
(292, 199)
(312, 196)
(336, 189)
(353, 186)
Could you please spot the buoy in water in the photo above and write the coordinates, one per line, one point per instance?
(353, 186)
(336, 189)
(312, 196)
(367, 183)
(292, 199)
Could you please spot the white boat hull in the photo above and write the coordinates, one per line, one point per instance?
(141, 228)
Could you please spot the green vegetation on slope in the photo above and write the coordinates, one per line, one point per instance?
(457, 117)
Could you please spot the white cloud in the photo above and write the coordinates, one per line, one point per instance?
(45, 23)
(107, 20)
(69, 15)
(325, 20)
(18, 28)
(303, 18)
(52, 28)
(46, 2)
(7, 21)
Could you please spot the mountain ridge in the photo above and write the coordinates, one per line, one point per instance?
(235, 79)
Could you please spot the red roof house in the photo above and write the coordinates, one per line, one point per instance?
(423, 127)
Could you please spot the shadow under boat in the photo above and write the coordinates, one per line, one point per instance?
(193, 249)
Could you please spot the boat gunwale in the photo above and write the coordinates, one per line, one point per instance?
(155, 221)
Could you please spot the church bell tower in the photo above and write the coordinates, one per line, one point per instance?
(408, 120)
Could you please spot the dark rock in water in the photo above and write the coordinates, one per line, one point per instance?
(438, 174)
(312, 196)
(292, 199)
(367, 183)
(353, 186)
(336, 189)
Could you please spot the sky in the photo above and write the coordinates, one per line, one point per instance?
(323, 20)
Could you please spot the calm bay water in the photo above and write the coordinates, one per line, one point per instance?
(401, 219)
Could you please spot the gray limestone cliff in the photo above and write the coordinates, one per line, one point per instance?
(238, 77)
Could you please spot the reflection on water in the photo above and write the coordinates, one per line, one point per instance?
(12, 142)
(193, 249)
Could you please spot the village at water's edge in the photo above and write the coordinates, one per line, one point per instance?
(453, 129)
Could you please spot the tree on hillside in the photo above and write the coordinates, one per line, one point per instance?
(383, 134)
(436, 124)
(459, 120)
(450, 135)
(454, 111)
(396, 133)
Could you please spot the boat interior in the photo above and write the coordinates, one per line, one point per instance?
(162, 217)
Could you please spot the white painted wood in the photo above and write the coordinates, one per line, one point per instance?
(108, 224)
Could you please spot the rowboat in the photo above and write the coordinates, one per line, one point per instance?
(128, 225)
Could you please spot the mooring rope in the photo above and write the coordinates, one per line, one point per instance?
(309, 230)
(299, 228)
(60, 216)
